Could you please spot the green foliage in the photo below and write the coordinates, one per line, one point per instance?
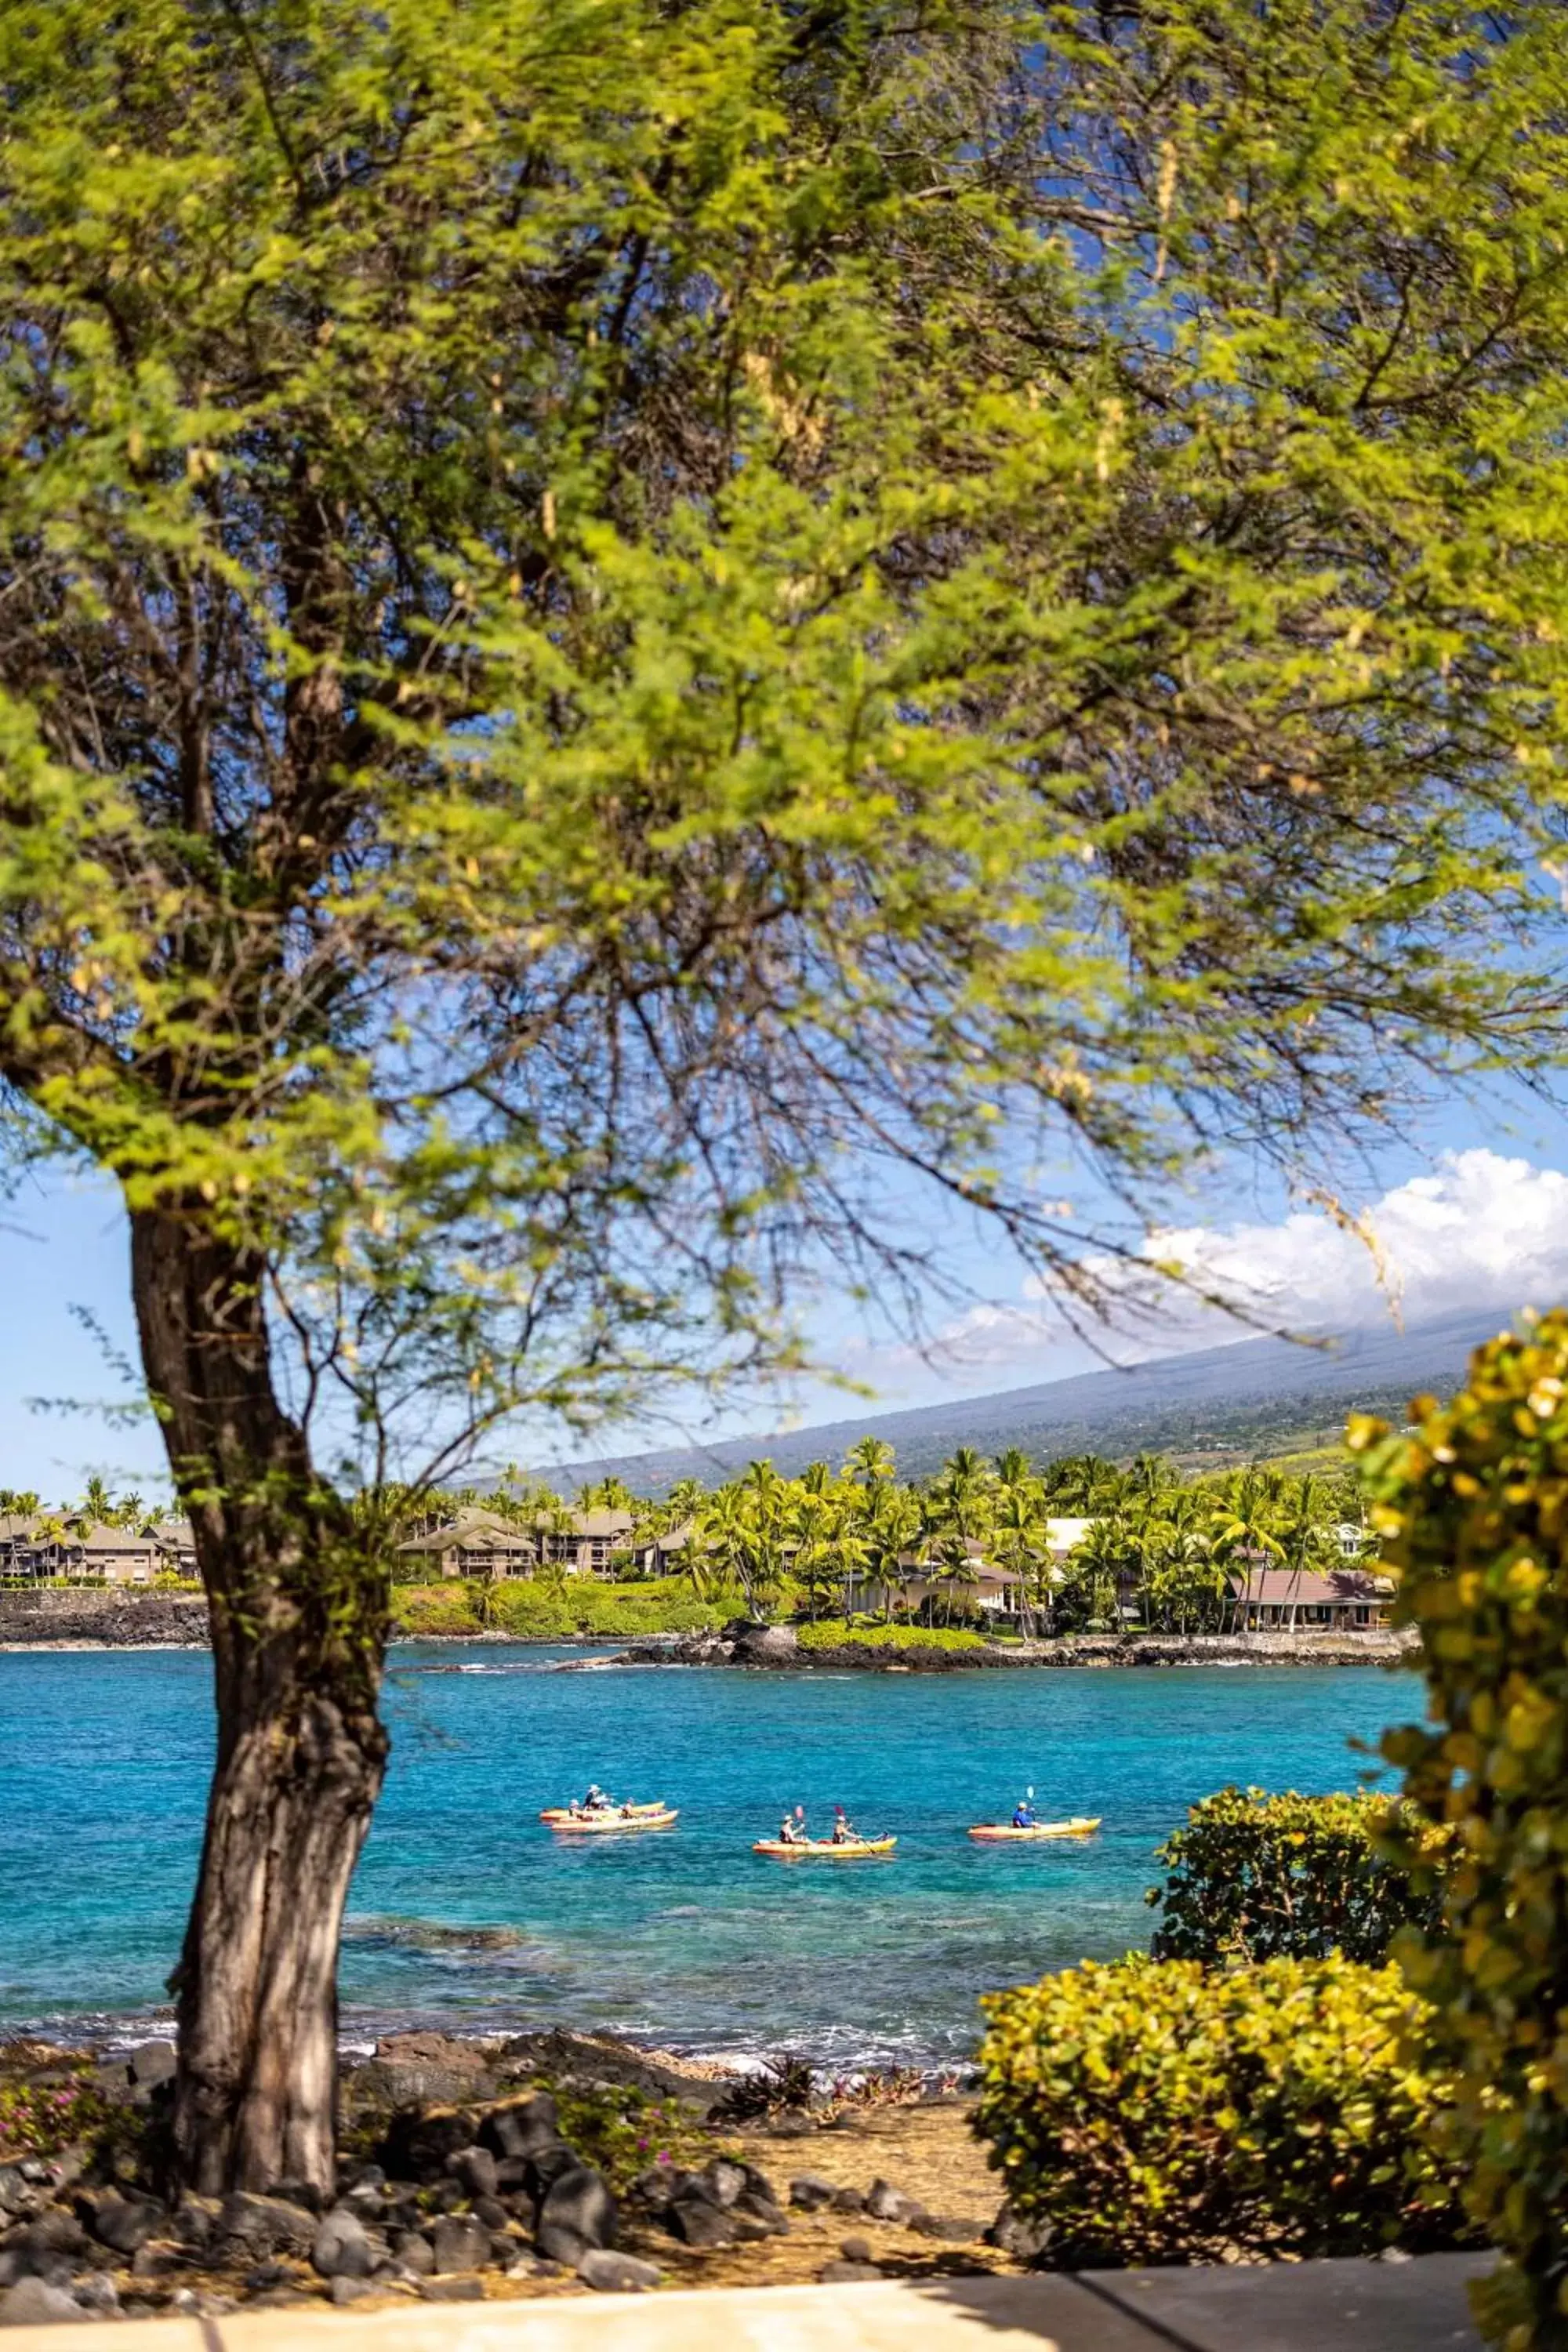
(45, 2108)
(1156, 2111)
(837, 1633)
(1474, 1507)
(535, 1613)
(1253, 1877)
(622, 2130)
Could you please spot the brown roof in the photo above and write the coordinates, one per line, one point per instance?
(1287, 1588)
(602, 1523)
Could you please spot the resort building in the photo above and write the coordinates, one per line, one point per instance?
(480, 1544)
(1280, 1599)
(33, 1551)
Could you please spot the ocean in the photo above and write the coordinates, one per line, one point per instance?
(467, 1914)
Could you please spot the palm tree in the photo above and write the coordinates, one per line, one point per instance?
(869, 1461)
(1245, 1525)
(1306, 1535)
(1019, 1534)
(889, 1532)
(97, 1502)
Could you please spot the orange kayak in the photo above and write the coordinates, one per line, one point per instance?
(638, 1817)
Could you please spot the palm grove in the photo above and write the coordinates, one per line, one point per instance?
(630, 626)
(1094, 1544)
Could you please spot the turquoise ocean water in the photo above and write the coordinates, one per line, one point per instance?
(684, 1936)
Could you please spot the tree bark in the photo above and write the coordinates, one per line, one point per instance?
(298, 1605)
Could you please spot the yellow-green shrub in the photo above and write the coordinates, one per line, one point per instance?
(1254, 1876)
(1474, 1509)
(1157, 2111)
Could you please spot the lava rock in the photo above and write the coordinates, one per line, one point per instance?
(197, 2222)
(97, 2292)
(265, 2225)
(125, 2224)
(1026, 2240)
(153, 2062)
(303, 2193)
(547, 2166)
(696, 2220)
(810, 2192)
(521, 2128)
(848, 2274)
(577, 2214)
(723, 2182)
(15, 2193)
(491, 2212)
(416, 2145)
(349, 2287)
(474, 2170)
(341, 2247)
(886, 2203)
(848, 2200)
(414, 2252)
(34, 2303)
(459, 2242)
(614, 2273)
(855, 2250)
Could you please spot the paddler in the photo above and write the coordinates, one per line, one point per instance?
(843, 1827)
(792, 1829)
(596, 1801)
(1023, 1814)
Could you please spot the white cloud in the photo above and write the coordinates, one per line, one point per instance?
(1481, 1231)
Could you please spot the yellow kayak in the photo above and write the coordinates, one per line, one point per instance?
(850, 1850)
(635, 1817)
(1082, 1825)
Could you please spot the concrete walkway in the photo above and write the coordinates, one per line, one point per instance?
(1349, 2306)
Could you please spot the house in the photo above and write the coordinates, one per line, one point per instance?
(586, 1542)
(479, 1544)
(996, 1592)
(474, 1544)
(176, 1542)
(1351, 1599)
(665, 1555)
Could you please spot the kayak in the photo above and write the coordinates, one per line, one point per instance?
(852, 1850)
(1083, 1825)
(567, 1812)
(599, 1824)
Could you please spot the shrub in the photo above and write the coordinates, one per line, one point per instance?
(837, 1634)
(1474, 1509)
(1254, 1876)
(1155, 2111)
(533, 1611)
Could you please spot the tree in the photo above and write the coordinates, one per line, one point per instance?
(623, 624)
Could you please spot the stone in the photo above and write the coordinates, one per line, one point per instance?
(155, 2261)
(341, 2247)
(265, 2275)
(416, 2145)
(811, 2192)
(723, 2182)
(125, 2224)
(855, 2250)
(953, 2228)
(265, 2225)
(848, 2200)
(848, 2274)
(15, 2192)
(753, 2208)
(609, 2273)
(747, 2229)
(96, 2291)
(352, 2177)
(491, 2212)
(459, 2242)
(413, 2070)
(197, 2220)
(578, 2213)
(1026, 2240)
(452, 2290)
(886, 2203)
(521, 2127)
(303, 2193)
(697, 2221)
(352, 2289)
(474, 2170)
(153, 2062)
(414, 2252)
(545, 2167)
(34, 2303)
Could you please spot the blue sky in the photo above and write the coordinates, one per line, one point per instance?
(1473, 1210)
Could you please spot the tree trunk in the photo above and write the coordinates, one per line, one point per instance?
(298, 1604)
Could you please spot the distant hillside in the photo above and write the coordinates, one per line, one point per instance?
(1257, 1397)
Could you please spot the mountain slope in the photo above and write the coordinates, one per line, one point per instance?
(1251, 1396)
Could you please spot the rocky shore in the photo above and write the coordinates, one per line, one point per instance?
(64, 1619)
(777, 1648)
(544, 2165)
